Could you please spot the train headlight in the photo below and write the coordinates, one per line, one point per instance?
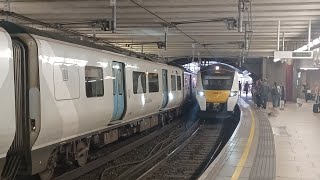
(233, 93)
(200, 93)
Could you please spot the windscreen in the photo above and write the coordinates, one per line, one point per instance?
(217, 81)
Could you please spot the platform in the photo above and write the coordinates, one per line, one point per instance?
(296, 136)
(249, 154)
(282, 146)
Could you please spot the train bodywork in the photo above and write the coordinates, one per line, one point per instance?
(217, 91)
(7, 96)
(75, 94)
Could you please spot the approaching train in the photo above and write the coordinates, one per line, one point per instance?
(60, 96)
(217, 91)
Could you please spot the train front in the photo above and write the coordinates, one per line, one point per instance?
(217, 91)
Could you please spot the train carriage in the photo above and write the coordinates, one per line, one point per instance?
(217, 91)
(61, 96)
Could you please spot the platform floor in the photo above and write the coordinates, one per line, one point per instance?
(297, 142)
(283, 146)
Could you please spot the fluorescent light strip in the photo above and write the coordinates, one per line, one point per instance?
(315, 42)
(309, 68)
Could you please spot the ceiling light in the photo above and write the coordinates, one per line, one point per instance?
(309, 68)
(316, 42)
(276, 60)
(311, 44)
(303, 48)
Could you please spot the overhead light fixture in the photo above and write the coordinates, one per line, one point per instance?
(276, 60)
(217, 68)
(316, 42)
(304, 48)
(310, 68)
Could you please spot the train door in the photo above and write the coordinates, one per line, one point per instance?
(118, 90)
(164, 88)
(21, 143)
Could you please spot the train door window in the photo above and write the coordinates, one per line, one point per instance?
(120, 81)
(139, 82)
(173, 83)
(117, 74)
(179, 82)
(114, 81)
(153, 81)
(66, 81)
(94, 81)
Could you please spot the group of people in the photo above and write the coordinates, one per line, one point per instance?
(246, 88)
(261, 91)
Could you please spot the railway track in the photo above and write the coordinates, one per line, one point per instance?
(102, 160)
(177, 151)
(189, 159)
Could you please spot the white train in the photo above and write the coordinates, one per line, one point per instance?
(217, 91)
(60, 96)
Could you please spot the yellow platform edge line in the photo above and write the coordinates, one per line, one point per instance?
(246, 151)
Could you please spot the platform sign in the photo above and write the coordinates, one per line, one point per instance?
(112, 2)
(293, 55)
(306, 54)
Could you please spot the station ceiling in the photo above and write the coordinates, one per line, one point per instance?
(135, 25)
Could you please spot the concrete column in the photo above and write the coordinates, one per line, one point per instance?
(264, 68)
(289, 80)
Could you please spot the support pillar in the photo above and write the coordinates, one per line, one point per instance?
(264, 68)
(289, 80)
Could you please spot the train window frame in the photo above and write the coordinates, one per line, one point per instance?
(153, 84)
(173, 83)
(135, 81)
(99, 78)
(179, 86)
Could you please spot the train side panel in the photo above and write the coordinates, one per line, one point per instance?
(7, 96)
(232, 101)
(66, 111)
(67, 72)
(175, 88)
(140, 101)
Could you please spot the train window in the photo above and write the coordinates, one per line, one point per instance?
(94, 81)
(173, 83)
(153, 82)
(139, 82)
(179, 82)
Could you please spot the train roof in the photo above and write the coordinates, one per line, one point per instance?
(13, 28)
(226, 66)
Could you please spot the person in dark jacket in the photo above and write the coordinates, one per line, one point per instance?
(240, 88)
(258, 93)
(264, 92)
(246, 88)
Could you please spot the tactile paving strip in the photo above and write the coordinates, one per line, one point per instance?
(264, 166)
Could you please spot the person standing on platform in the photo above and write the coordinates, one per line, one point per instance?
(275, 95)
(254, 92)
(316, 93)
(279, 92)
(240, 88)
(283, 96)
(306, 91)
(265, 89)
(258, 93)
(246, 88)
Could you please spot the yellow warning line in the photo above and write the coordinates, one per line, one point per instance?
(246, 151)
